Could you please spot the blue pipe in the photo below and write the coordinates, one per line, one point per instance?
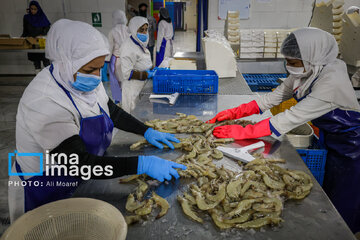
(199, 30)
(205, 14)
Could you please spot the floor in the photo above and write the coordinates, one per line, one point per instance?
(185, 41)
(11, 89)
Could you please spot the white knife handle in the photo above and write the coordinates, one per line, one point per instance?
(253, 146)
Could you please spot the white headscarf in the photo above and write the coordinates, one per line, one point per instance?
(352, 9)
(319, 52)
(118, 17)
(71, 45)
(120, 30)
(134, 25)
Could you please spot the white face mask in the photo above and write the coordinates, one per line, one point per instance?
(295, 70)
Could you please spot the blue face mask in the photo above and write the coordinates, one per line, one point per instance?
(142, 37)
(86, 82)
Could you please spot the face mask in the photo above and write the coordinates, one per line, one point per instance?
(142, 37)
(86, 82)
(295, 70)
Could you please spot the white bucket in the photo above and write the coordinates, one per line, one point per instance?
(300, 137)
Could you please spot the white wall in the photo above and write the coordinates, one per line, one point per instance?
(268, 14)
(12, 12)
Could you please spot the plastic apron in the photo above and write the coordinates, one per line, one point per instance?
(340, 134)
(161, 54)
(115, 84)
(96, 132)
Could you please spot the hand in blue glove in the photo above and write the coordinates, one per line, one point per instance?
(158, 168)
(155, 137)
(150, 73)
(104, 71)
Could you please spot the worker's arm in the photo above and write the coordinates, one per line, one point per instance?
(160, 35)
(45, 30)
(121, 165)
(25, 28)
(282, 93)
(127, 62)
(308, 109)
(124, 121)
(155, 167)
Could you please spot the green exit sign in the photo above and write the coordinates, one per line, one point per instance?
(96, 19)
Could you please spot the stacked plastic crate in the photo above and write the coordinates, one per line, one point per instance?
(350, 47)
(251, 43)
(270, 45)
(232, 30)
(338, 11)
(328, 17)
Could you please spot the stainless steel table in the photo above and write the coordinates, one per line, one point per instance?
(22, 50)
(312, 218)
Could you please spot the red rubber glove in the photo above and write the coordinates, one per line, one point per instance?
(238, 132)
(243, 110)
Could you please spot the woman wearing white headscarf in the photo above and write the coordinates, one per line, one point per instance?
(65, 111)
(164, 45)
(320, 83)
(135, 62)
(117, 36)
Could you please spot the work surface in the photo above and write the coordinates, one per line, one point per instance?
(311, 218)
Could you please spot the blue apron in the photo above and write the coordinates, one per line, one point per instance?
(340, 134)
(96, 133)
(161, 53)
(115, 84)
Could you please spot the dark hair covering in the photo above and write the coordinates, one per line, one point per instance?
(39, 19)
(141, 12)
(290, 47)
(164, 15)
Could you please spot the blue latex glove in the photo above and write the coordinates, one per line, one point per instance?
(155, 137)
(104, 71)
(157, 68)
(158, 168)
(150, 73)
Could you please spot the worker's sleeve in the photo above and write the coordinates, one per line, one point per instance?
(48, 122)
(120, 165)
(25, 28)
(127, 62)
(124, 121)
(308, 109)
(160, 35)
(45, 30)
(111, 46)
(282, 93)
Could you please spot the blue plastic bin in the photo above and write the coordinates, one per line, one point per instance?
(263, 82)
(186, 81)
(315, 159)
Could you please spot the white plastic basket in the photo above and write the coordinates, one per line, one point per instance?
(300, 137)
(70, 219)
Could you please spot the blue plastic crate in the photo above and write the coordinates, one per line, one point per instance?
(315, 159)
(263, 82)
(186, 81)
(319, 176)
